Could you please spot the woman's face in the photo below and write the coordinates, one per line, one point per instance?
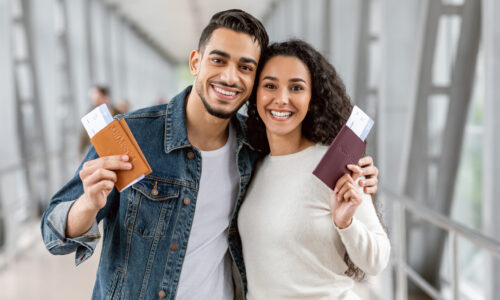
(283, 95)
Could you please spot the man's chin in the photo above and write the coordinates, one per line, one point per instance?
(219, 113)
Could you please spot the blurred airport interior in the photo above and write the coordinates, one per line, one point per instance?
(427, 71)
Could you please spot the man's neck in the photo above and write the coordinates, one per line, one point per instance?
(205, 132)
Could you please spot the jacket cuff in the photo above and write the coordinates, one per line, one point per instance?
(84, 245)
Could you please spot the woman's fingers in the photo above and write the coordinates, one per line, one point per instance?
(370, 182)
(345, 188)
(342, 181)
(356, 171)
(365, 161)
(370, 171)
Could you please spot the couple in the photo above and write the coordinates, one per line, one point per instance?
(185, 231)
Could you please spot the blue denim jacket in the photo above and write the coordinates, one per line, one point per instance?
(146, 233)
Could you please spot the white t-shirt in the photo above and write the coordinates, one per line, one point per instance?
(206, 271)
(291, 247)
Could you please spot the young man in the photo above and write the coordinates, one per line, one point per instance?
(156, 244)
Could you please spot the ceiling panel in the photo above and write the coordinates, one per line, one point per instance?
(176, 25)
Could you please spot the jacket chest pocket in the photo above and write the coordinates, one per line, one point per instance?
(150, 207)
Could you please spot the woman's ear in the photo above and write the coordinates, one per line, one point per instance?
(194, 62)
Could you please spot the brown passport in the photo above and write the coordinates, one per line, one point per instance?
(116, 139)
(347, 148)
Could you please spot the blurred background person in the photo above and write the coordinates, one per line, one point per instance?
(122, 106)
(98, 95)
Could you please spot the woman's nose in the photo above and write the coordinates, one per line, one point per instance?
(283, 97)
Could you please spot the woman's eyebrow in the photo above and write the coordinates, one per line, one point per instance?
(270, 78)
(297, 80)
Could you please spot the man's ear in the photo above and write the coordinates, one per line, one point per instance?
(194, 62)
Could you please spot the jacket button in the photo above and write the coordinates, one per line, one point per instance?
(174, 246)
(162, 294)
(154, 192)
(190, 155)
(187, 201)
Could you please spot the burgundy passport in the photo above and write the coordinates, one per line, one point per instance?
(347, 148)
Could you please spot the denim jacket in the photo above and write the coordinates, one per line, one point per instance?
(146, 227)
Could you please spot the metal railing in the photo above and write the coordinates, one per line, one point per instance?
(404, 204)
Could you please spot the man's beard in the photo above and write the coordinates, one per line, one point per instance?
(214, 112)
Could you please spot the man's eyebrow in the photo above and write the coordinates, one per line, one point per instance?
(226, 55)
(220, 53)
(248, 60)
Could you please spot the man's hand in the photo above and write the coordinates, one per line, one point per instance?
(98, 177)
(368, 170)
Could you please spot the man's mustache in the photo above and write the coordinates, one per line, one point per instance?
(233, 86)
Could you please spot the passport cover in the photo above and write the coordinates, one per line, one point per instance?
(347, 148)
(117, 139)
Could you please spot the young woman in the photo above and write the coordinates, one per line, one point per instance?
(300, 239)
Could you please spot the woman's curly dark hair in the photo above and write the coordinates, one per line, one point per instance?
(329, 108)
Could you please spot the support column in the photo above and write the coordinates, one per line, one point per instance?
(491, 158)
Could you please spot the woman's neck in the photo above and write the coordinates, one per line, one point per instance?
(287, 144)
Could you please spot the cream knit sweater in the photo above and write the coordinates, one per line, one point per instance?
(291, 247)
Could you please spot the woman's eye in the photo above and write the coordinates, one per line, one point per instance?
(269, 86)
(296, 88)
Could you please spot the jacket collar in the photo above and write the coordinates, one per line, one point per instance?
(175, 124)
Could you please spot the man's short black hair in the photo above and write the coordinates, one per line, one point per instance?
(239, 21)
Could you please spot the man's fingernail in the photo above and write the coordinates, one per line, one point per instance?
(129, 166)
(124, 157)
(362, 182)
(335, 190)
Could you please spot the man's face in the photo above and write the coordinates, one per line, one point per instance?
(225, 71)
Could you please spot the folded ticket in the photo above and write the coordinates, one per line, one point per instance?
(347, 148)
(360, 123)
(97, 119)
(113, 137)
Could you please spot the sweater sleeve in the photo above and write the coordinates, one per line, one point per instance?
(365, 239)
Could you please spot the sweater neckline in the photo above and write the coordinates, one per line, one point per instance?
(291, 156)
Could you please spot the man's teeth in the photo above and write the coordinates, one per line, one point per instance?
(281, 115)
(223, 92)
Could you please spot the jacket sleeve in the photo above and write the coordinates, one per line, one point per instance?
(53, 224)
(365, 239)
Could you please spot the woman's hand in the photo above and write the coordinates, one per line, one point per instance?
(345, 199)
(368, 170)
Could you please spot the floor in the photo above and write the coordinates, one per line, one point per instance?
(37, 274)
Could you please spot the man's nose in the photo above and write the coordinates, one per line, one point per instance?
(230, 75)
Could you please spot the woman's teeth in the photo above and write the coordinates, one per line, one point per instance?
(223, 92)
(281, 115)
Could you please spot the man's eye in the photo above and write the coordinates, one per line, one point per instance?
(246, 68)
(216, 60)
